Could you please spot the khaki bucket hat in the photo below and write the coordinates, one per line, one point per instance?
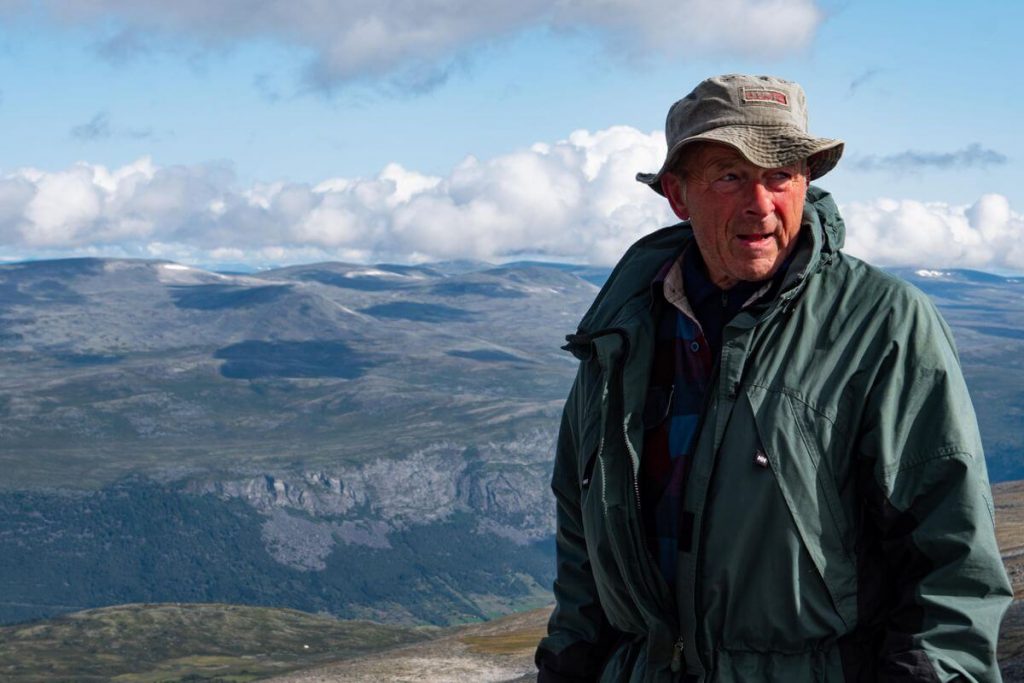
(762, 117)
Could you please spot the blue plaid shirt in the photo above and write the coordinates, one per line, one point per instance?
(688, 343)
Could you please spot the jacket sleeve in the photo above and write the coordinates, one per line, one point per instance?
(928, 499)
(578, 637)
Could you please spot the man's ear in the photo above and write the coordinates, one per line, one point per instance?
(672, 186)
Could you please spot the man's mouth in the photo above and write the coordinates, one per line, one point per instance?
(754, 238)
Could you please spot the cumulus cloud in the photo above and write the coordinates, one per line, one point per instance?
(574, 199)
(986, 235)
(418, 42)
(972, 156)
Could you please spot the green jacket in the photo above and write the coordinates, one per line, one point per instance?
(865, 549)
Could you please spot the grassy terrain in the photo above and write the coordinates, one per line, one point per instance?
(172, 642)
(513, 642)
(486, 652)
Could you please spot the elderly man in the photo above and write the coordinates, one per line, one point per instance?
(768, 467)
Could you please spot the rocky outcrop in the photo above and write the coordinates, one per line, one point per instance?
(309, 513)
(306, 543)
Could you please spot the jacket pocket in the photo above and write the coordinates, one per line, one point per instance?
(789, 432)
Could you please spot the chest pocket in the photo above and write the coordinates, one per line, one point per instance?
(798, 445)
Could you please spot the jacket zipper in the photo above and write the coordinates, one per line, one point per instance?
(709, 396)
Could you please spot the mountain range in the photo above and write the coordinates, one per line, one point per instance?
(365, 441)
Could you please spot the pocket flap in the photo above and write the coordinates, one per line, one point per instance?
(809, 488)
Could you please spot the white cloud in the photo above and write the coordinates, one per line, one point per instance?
(574, 199)
(64, 204)
(417, 41)
(987, 234)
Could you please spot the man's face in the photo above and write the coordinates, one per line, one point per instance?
(745, 218)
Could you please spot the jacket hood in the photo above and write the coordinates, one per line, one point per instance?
(821, 208)
(633, 274)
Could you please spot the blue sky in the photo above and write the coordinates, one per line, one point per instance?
(299, 132)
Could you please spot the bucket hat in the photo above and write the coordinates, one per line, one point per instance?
(764, 118)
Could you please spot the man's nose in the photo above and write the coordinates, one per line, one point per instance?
(759, 200)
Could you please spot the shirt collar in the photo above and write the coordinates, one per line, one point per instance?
(684, 283)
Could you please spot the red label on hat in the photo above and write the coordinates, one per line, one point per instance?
(770, 96)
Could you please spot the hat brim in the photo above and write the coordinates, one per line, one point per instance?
(764, 146)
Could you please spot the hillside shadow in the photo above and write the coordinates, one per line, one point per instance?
(255, 359)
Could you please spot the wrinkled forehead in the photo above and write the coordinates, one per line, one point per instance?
(710, 155)
(704, 153)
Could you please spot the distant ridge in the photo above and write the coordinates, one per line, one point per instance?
(322, 436)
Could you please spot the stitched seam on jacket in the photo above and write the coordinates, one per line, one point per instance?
(832, 420)
(920, 460)
(817, 466)
(839, 528)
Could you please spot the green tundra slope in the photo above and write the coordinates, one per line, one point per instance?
(185, 643)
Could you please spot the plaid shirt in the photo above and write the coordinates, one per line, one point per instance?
(688, 342)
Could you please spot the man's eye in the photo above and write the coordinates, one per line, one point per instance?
(727, 182)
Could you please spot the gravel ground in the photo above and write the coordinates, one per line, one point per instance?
(499, 651)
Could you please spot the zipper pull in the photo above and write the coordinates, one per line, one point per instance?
(761, 459)
(677, 655)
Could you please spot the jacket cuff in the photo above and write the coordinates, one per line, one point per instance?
(908, 666)
(578, 663)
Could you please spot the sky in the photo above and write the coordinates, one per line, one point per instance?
(236, 134)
